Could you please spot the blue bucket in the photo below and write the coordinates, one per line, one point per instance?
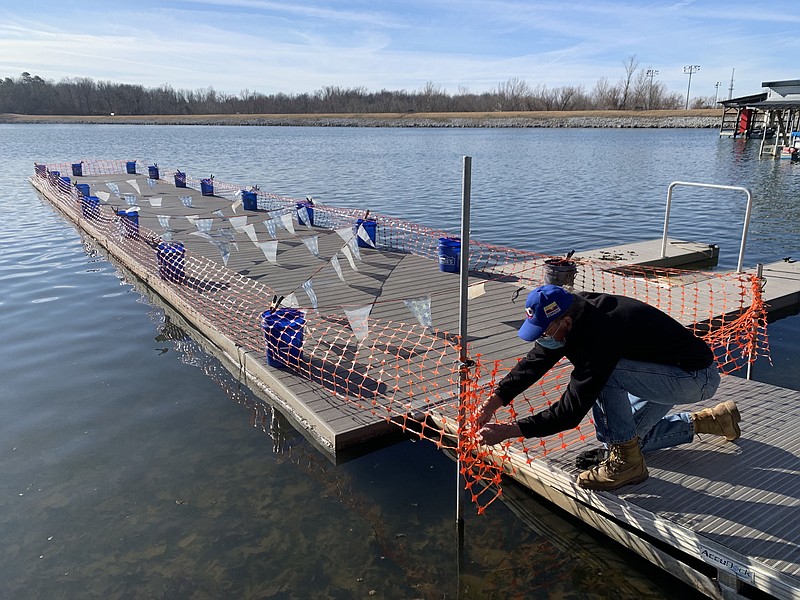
(90, 207)
(128, 224)
(77, 169)
(180, 180)
(249, 200)
(130, 167)
(40, 170)
(283, 336)
(207, 187)
(152, 172)
(449, 254)
(55, 174)
(371, 227)
(83, 188)
(308, 207)
(171, 261)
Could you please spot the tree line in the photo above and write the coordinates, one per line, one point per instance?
(33, 95)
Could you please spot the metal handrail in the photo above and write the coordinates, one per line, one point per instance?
(715, 186)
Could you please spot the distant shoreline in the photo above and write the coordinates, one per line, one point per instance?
(658, 119)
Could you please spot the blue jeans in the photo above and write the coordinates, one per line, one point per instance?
(638, 396)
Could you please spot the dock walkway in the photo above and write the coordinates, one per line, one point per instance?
(720, 520)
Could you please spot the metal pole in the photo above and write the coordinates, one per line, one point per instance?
(760, 275)
(463, 372)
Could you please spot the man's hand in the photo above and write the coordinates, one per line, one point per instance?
(487, 409)
(494, 433)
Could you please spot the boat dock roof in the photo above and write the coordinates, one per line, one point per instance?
(724, 520)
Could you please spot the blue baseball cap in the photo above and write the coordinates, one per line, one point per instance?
(544, 305)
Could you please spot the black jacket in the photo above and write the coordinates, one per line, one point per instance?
(605, 329)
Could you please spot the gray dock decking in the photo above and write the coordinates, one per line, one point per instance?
(733, 506)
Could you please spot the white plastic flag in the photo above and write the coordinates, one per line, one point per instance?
(192, 218)
(236, 205)
(337, 267)
(312, 243)
(155, 201)
(219, 214)
(203, 235)
(270, 225)
(346, 252)
(270, 250)
(290, 301)
(288, 223)
(421, 309)
(203, 225)
(163, 220)
(353, 244)
(134, 184)
(186, 200)
(250, 230)
(104, 196)
(358, 321)
(114, 188)
(151, 183)
(238, 222)
(346, 233)
(224, 250)
(476, 291)
(310, 292)
(130, 199)
(302, 216)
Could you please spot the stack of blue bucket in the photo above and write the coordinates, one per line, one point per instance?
(152, 172)
(130, 167)
(305, 209)
(128, 223)
(370, 227)
(250, 200)
(171, 261)
(90, 207)
(180, 179)
(77, 169)
(207, 186)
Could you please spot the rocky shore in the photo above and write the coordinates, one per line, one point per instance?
(584, 119)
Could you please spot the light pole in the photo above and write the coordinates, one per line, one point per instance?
(716, 92)
(650, 73)
(689, 70)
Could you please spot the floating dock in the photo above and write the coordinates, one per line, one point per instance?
(723, 522)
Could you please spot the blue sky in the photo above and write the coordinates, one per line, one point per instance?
(274, 46)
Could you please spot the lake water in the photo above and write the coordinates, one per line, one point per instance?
(133, 465)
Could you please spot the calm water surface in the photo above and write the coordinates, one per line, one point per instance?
(133, 465)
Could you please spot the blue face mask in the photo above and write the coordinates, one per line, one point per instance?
(549, 343)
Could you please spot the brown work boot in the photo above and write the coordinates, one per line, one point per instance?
(624, 466)
(723, 419)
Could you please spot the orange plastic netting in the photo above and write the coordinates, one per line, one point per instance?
(383, 355)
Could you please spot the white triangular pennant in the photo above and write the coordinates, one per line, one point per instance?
(187, 201)
(346, 233)
(250, 230)
(130, 199)
(476, 291)
(270, 250)
(358, 321)
(155, 201)
(421, 309)
(288, 223)
(104, 196)
(219, 214)
(151, 183)
(337, 267)
(353, 245)
(238, 222)
(203, 235)
(203, 225)
(312, 243)
(310, 292)
(134, 184)
(224, 250)
(192, 218)
(163, 220)
(114, 188)
(290, 301)
(349, 255)
(236, 205)
(270, 225)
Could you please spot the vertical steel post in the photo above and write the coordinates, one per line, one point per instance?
(463, 370)
(760, 275)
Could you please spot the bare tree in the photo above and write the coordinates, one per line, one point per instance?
(631, 65)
